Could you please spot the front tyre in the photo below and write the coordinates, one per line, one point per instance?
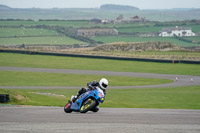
(88, 105)
(67, 107)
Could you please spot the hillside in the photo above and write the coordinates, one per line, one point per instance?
(119, 7)
(4, 7)
(108, 11)
(195, 10)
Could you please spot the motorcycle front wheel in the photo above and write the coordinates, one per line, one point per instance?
(67, 107)
(88, 105)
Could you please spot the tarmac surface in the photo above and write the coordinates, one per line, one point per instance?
(112, 120)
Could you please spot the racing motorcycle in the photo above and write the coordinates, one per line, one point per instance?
(87, 101)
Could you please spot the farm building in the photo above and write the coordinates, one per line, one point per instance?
(176, 31)
(134, 19)
(119, 19)
(100, 21)
(95, 21)
(87, 32)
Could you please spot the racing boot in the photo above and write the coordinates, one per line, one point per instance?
(81, 91)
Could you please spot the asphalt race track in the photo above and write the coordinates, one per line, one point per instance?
(108, 120)
(28, 119)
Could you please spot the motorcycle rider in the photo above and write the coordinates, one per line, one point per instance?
(102, 84)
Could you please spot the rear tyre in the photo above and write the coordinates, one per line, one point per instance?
(88, 105)
(67, 107)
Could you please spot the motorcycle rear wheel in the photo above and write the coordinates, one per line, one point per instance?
(87, 105)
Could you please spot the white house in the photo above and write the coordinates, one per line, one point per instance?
(176, 31)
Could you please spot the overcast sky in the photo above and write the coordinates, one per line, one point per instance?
(142, 4)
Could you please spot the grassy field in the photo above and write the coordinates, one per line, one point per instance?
(148, 27)
(195, 28)
(71, 23)
(18, 36)
(38, 61)
(14, 78)
(197, 39)
(51, 40)
(10, 32)
(171, 98)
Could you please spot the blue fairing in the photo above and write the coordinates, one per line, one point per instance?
(96, 94)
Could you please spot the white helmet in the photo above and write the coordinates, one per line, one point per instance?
(103, 83)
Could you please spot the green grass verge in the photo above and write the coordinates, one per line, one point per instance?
(26, 97)
(41, 61)
(14, 78)
(170, 98)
